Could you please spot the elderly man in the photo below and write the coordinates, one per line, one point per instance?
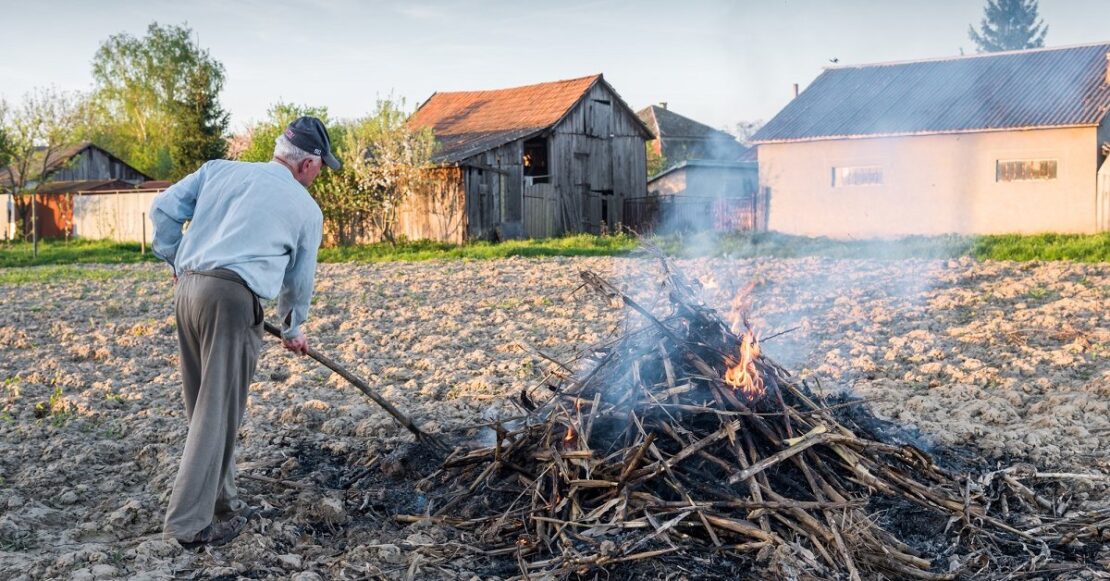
(253, 231)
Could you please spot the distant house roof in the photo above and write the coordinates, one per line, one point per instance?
(682, 138)
(1040, 88)
(57, 160)
(469, 122)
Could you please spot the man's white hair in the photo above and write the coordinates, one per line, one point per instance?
(284, 149)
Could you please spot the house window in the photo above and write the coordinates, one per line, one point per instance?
(1025, 170)
(860, 175)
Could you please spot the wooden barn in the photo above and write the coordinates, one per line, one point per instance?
(529, 162)
(72, 170)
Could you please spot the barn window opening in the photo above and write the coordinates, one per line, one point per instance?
(1025, 170)
(860, 175)
(535, 162)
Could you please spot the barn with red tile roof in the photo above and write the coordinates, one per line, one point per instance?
(1006, 142)
(533, 161)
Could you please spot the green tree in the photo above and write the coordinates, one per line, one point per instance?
(743, 131)
(385, 162)
(262, 135)
(35, 132)
(656, 163)
(156, 101)
(1009, 25)
(5, 141)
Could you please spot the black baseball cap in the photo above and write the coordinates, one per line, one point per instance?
(309, 134)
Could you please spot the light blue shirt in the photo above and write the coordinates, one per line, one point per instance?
(251, 218)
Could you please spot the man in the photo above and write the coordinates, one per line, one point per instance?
(253, 232)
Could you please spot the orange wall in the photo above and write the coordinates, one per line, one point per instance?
(933, 184)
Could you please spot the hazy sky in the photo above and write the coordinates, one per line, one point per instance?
(716, 61)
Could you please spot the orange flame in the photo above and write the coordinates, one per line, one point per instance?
(744, 376)
(570, 435)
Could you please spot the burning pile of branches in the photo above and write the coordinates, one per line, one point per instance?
(685, 444)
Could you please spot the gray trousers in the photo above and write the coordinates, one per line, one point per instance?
(219, 328)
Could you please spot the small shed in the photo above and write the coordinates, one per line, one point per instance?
(55, 201)
(699, 195)
(533, 161)
(77, 168)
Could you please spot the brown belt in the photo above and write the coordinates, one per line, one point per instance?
(231, 275)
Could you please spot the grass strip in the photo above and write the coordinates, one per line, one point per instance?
(1046, 247)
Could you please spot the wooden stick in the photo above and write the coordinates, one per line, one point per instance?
(268, 480)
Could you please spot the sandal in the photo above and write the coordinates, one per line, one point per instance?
(216, 534)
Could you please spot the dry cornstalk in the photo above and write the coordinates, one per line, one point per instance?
(683, 438)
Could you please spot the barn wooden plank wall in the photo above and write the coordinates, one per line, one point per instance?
(597, 160)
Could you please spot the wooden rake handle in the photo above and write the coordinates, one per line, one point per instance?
(401, 418)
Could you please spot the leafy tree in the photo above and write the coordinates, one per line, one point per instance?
(656, 162)
(5, 141)
(385, 162)
(35, 133)
(744, 130)
(263, 134)
(156, 101)
(1009, 25)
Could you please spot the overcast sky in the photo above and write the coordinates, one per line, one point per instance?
(716, 61)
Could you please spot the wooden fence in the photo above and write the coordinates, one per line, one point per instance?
(117, 216)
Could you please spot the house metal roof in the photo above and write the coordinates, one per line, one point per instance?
(1029, 89)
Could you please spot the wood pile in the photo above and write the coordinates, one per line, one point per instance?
(683, 448)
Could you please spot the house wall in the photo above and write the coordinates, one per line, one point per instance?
(932, 184)
(597, 157)
(722, 182)
(96, 164)
(710, 182)
(670, 184)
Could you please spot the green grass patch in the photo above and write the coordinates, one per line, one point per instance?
(1075, 247)
(776, 245)
(577, 245)
(55, 256)
(53, 252)
(45, 274)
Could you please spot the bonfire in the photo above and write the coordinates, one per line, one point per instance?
(684, 448)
